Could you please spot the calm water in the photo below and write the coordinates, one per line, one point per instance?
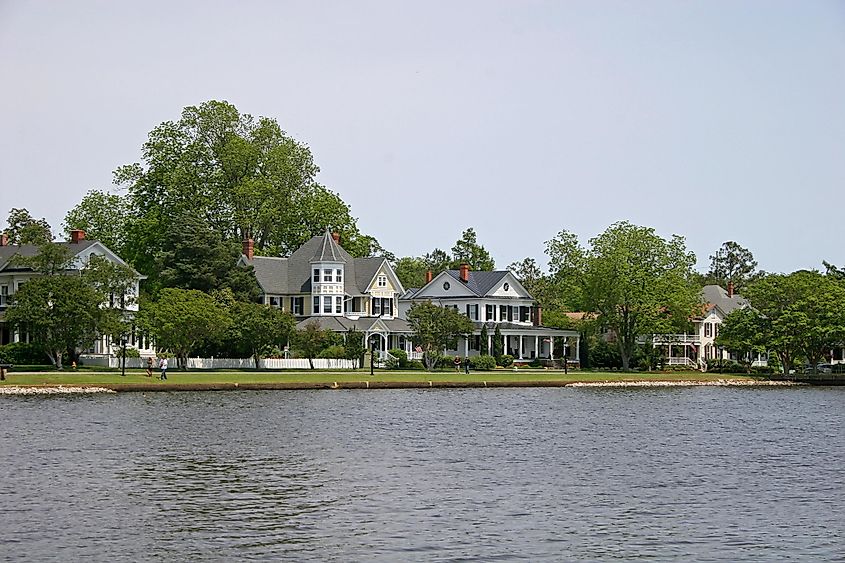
(705, 474)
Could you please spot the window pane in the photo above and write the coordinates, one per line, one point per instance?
(316, 309)
(327, 304)
(327, 275)
(338, 275)
(316, 276)
(338, 304)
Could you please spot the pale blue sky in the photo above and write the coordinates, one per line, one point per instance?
(713, 120)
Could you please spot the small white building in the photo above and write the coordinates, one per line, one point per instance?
(494, 299)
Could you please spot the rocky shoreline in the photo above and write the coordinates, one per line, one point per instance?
(290, 386)
(714, 383)
(53, 390)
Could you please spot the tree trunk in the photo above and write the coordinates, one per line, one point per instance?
(257, 360)
(311, 362)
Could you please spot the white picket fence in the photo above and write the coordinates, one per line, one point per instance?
(223, 363)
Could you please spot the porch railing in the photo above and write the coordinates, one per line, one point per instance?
(676, 339)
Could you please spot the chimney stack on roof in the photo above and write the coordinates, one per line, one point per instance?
(428, 277)
(249, 248)
(4, 239)
(538, 316)
(465, 272)
(336, 237)
(77, 235)
(730, 289)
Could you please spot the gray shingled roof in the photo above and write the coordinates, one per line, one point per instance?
(291, 275)
(716, 295)
(30, 250)
(480, 282)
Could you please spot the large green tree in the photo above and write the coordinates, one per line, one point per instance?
(732, 263)
(104, 217)
(410, 271)
(467, 250)
(182, 319)
(23, 228)
(743, 331)
(636, 281)
(194, 256)
(800, 314)
(437, 329)
(243, 176)
(259, 328)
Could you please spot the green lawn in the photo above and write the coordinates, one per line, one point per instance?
(329, 377)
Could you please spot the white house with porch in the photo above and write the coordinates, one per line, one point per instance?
(14, 273)
(694, 349)
(495, 299)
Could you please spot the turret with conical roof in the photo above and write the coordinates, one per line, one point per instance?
(327, 276)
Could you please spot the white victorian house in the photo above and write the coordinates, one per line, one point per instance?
(321, 282)
(14, 274)
(695, 348)
(495, 299)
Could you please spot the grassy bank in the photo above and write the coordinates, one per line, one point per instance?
(329, 378)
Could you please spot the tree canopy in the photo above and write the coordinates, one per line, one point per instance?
(23, 228)
(104, 217)
(636, 281)
(732, 263)
(243, 177)
(436, 329)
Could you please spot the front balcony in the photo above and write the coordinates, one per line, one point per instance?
(682, 339)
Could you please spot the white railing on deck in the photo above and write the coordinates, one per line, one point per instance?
(676, 339)
(682, 362)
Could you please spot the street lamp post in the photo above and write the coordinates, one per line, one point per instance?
(123, 356)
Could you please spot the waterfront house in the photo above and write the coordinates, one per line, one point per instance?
(14, 274)
(494, 299)
(694, 349)
(321, 282)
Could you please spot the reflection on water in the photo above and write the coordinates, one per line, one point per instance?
(483, 474)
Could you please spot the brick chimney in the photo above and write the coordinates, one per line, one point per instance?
(336, 237)
(538, 316)
(730, 289)
(428, 277)
(77, 235)
(4, 239)
(249, 248)
(465, 272)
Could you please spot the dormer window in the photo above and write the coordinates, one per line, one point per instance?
(382, 281)
(327, 275)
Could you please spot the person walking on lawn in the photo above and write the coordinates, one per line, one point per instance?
(162, 364)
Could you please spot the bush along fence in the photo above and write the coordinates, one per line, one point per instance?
(223, 363)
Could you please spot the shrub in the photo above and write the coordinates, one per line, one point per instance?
(334, 351)
(482, 363)
(130, 353)
(415, 364)
(505, 360)
(762, 370)
(536, 363)
(446, 361)
(401, 356)
(21, 353)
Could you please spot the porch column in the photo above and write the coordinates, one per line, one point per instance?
(536, 347)
(578, 348)
(466, 346)
(521, 355)
(505, 345)
(551, 347)
(490, 344)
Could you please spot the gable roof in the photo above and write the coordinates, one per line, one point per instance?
(9, 251)
(716, 296)
(292, 275)
(480, 282)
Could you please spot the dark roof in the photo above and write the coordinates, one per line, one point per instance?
(491, 327)
(716, 295)
(480, 282)
(292, 275)
(30, 250)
